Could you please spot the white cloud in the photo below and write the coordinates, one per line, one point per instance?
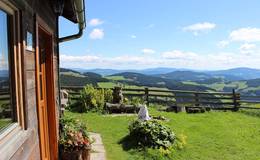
(96, 34)
(133, 36)
(223, 44)
(247, 48)
(245, 34)
(199, 27)
(175, 58)
(176, 54)
(193, 60)
(74, 59)
(95, 22)
(148, 51)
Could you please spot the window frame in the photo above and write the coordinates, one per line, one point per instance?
(16, 130)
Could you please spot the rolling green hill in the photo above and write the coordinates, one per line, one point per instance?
(177, 80)
(245, 87)
(186, 76)
(139, 79)
(73, 78)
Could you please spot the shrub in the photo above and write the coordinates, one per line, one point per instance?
(136, 101)
(133, 101)
(73, 135)
(108, 95)
(92, 99)
(151, 134)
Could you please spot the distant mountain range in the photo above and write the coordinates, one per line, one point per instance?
(243, 73)
(181, 74)
(149, 71)
(186, 76)
(244, 80)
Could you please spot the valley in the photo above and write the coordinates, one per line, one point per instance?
(223, 81)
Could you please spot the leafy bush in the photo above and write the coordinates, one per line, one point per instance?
(134, 101)
(108, 95)
(92, 99)
(73, 135)
(152, 134)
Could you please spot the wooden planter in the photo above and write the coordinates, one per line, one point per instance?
(83, 154)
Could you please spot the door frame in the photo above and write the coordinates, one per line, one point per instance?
(50, 87)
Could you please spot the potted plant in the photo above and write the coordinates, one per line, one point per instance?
(74, 142)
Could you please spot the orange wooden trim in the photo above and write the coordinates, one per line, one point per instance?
(41, 26)
(16, 60)
(52, 104)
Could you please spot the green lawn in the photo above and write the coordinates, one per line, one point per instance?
(210, 136)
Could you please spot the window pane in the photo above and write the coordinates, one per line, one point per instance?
(5, 79)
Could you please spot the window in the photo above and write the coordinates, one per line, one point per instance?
(6, 104)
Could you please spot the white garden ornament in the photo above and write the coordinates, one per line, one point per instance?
(143, 113)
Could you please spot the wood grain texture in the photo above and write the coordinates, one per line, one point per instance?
(30, 149)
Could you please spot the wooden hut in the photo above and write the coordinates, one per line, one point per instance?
(29, 83)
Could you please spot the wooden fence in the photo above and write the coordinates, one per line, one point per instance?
(214, 100)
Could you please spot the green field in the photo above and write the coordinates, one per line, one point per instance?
(73, 74)
(113, 84)
(219, 86)
(210, 136)
(107, 84)
(115, 78)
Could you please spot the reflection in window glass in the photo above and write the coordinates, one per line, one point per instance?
(6, 111)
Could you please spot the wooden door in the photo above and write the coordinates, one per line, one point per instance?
(41, 53)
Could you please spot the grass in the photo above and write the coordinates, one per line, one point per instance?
(107, 84)
(113, 84)
(219, 86)
(115, 78)
(210, 136)
(73, 74)
(191, 83)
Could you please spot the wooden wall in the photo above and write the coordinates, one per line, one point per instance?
(43, 9)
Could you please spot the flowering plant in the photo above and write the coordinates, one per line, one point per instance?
(74, 135)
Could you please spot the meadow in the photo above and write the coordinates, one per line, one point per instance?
(210, 136)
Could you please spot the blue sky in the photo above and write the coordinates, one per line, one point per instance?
(136, 34)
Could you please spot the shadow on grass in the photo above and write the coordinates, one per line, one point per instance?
(128, 142)
(253, 112)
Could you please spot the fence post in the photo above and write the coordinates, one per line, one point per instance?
(146, 94)
(196, 99)
(235, 98)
